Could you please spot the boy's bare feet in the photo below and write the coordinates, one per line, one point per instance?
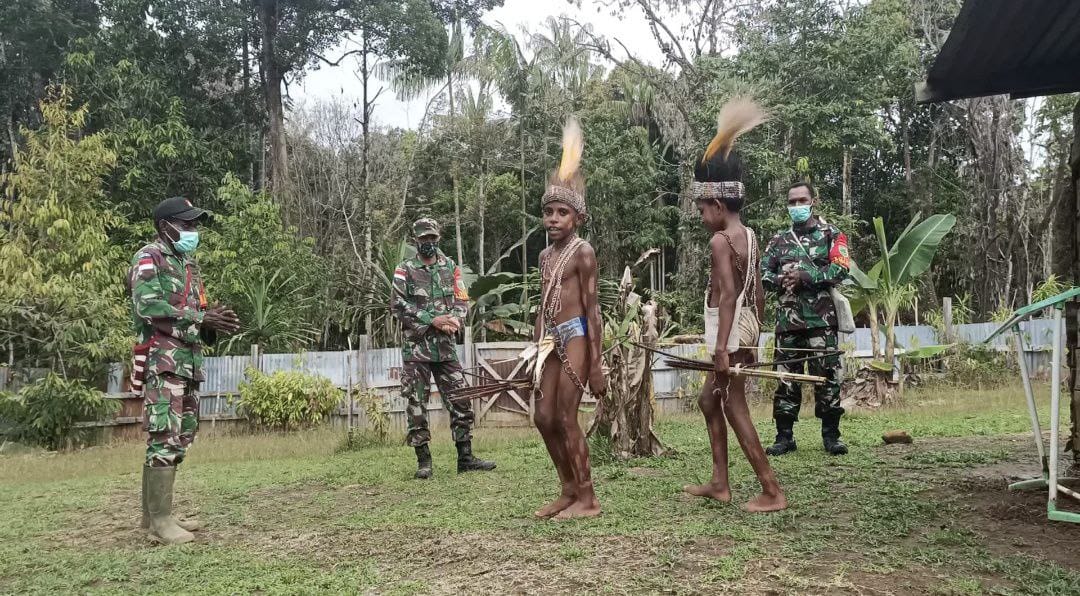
(709, 491)
(585, 508)
(555, 506)
(763, 503)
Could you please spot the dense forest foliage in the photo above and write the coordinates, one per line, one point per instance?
(109, 106)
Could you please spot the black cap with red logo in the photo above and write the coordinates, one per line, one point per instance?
(179, 208)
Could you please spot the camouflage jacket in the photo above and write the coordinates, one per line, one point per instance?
(421, 293)
(821, 258)
(167, 303)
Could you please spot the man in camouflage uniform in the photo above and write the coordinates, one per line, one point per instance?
(801, 265)
(431, 303)
(171, 322)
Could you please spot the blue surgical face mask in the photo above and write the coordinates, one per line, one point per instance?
(188, 241)
(799, 213)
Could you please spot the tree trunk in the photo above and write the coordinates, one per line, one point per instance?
(524, 220)
(454, 174)
(246, 42)
(365, 183)
(875, 346)
(273, 77)
(906, 131)
(9, 116)
(689, 278)
(846, 195)
(890, 336)
(1067, 265)
(480, 203)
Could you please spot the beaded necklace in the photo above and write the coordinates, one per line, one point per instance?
(551, 300)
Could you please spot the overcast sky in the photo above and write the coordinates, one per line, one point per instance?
(328, 83)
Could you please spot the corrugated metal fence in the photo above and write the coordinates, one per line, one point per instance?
(378, 371)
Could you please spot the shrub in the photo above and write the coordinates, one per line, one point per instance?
(45, 412)
(378, 429)
(974, 366)
(287, 399)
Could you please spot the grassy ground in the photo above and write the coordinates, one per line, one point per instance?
(294, 515)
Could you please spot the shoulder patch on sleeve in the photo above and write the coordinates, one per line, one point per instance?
(459, 285)
(838, 254)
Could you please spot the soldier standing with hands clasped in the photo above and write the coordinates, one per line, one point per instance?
(801, 265)
(430, 302)
(172, 322)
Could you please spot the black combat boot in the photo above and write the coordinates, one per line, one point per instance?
(830, 436)
(785, 439)
(467, 463)
(423, 462)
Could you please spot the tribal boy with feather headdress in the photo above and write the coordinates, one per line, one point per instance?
(568, 333)
(734, 305)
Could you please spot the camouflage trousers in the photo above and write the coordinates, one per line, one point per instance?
(170, 419)
(416, 387)
(788, 398)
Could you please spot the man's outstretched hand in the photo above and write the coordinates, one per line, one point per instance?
(222, 319)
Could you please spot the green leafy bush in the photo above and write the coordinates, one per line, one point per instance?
(45, 412)
(287, 399)
(1048, 289)
(975, 366)
(377, 430)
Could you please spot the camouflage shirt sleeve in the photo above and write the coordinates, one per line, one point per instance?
(461, 296)
(770, 266)
(405, 310)
(839, 263)
(152, 305)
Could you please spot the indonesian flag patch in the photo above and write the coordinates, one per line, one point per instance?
(839, 253)
(145, 264)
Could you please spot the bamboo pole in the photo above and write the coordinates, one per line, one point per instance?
(749, 372)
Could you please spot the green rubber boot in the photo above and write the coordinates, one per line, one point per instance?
(159, 499)
(191, 525)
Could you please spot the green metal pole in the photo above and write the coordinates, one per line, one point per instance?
(1055, 424)
(1036, 430)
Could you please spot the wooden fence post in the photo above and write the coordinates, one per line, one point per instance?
(946, 317)
(360, 359)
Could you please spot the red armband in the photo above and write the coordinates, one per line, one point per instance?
(459, 286)
(838, 255)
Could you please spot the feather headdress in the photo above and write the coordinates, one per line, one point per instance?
(719, 174)
(567, 185)
(738, 116)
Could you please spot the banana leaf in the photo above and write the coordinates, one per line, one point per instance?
(866, 281)
(881, 365)
(925, 352)
(491, 285)
(883, 245)
(914, 251)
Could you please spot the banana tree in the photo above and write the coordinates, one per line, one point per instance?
(889, 284)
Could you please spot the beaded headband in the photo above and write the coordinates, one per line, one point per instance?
(564, 195)
(717, 190)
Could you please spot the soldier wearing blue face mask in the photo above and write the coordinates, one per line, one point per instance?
(801, 265)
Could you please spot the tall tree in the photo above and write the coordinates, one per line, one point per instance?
(34, 37)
